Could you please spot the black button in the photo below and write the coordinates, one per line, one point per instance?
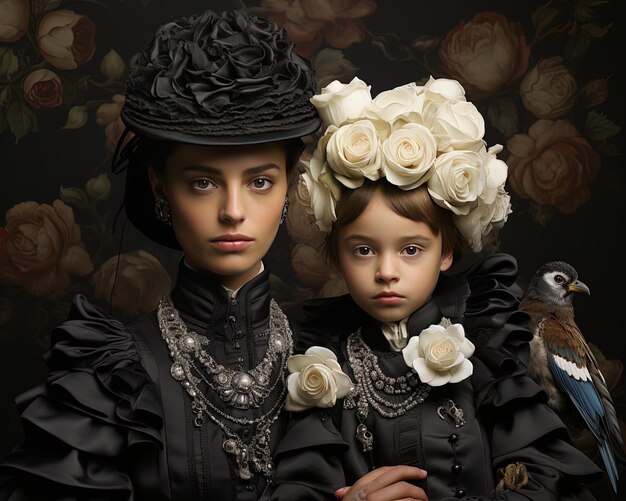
(240, 360)
(460, 493)
(453, 438)
(236, 346)
(249, 487)
(245, 433)
(456, 468)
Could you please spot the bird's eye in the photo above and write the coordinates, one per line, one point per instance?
(559, 279)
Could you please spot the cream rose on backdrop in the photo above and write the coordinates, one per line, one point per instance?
(66, 39)
(338, 102)
(548, 90)
(458, 180)
(138, 281)
(41, 246)
(485, 53)
(315, 380)
(308, 265)
(14, 19)
(353, 151)
(439, 355)
(409, 154)
(300, 221)
(552, 165)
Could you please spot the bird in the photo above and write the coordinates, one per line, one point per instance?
(563, 364)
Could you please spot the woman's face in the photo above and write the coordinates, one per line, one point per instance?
(390, 263)
(225, 203)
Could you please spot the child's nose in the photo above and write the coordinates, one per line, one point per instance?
(387, 270)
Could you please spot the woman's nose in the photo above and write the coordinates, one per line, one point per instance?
(232, 210)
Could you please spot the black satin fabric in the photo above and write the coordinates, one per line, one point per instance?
(506, 417)
(110, 423)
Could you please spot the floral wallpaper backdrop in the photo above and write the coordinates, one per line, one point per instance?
(546, 75)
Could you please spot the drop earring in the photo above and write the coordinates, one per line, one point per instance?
(283, 215)
(162, 210)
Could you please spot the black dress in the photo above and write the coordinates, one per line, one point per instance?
(111, 423)
(506, 419)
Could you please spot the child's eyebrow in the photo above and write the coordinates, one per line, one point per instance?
(406, 238)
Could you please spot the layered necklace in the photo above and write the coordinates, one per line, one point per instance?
(193, 366)
(372, 387)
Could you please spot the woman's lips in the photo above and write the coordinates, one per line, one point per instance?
(232, 242)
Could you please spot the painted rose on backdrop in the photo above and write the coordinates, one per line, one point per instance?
(138, 281)
(14, 19)
(548, 90)
(485, 53)
(309, 266)
(311, 22)
(43, 89)
(66, 39)
(552, 165)
(41, 246)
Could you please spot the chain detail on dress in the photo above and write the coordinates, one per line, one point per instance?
(371, 381)
(192, 365)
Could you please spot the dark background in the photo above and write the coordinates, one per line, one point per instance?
(34, 167)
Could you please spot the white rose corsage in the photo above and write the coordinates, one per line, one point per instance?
(440, 354)
(315, 380)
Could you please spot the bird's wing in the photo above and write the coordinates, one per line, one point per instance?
(577, 374)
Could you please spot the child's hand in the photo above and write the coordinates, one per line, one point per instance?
(387, 483)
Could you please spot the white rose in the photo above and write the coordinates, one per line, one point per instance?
(458, 180)
(409, 154)
(337, 102)
(443, 89)
(456, 125)
(315, 379)
(399, 102)
(483, 219)
(496, 170)
(322, 201)
(440, 354)
(353, 152)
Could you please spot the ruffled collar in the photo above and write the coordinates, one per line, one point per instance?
(198, 295)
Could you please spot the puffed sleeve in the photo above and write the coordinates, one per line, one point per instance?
(523, 428)
(96, 405)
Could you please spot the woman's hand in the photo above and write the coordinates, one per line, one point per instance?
(387, 483)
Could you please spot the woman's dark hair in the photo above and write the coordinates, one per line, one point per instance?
(413, 204)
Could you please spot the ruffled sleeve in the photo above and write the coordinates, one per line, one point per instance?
(523, 428)
(96, 405)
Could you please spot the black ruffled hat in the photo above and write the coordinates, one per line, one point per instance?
(212, 79)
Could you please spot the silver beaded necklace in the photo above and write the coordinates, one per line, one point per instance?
(192, 366)
(370, 382)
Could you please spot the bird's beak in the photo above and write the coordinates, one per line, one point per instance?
(578, 286)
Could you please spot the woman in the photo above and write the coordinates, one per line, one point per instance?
(184, 403)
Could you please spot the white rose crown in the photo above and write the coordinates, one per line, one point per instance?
(411, 135)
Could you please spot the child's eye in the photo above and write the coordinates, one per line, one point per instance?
(202, 184)
(363, 251)
(261, 184)
(411, 250)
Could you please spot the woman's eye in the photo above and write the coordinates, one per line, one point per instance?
(202, 184)
(261, 184)
(411, 250)
(559, 279)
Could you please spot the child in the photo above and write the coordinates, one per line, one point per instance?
(184, 403)
(416, 366)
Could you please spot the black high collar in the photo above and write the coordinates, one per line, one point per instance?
(198, 295)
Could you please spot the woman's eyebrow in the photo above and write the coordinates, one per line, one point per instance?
(214, 171)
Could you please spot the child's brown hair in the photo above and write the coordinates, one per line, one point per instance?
(415, 204)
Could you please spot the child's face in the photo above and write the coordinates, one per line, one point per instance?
(390, 264)
(226, 204)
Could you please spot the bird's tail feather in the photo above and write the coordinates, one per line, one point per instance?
(609, 463)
